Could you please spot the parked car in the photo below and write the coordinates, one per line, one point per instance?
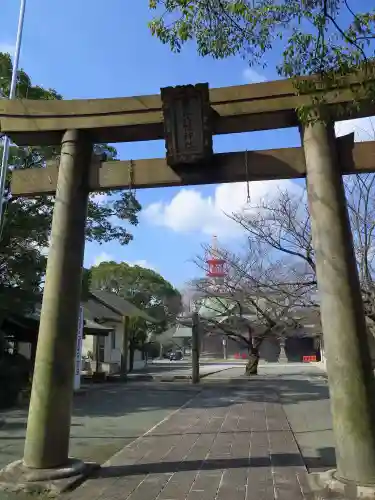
(176, 356)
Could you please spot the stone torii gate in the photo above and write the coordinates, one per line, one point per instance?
(187, 117)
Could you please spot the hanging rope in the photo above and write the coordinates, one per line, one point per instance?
(131, 189)
(131, 178)
(247, 178)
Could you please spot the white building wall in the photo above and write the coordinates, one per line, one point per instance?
(112, 355)
(24, 348)
(112, 350)
(88, 345)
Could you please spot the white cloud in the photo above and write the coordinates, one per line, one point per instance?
(252, 76)
(106, 257)
(189, 211)
(363, 128)
(102, 257)
(142, 263)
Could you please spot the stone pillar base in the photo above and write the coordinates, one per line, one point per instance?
(282, 356)
(324, 485)
(17, 477)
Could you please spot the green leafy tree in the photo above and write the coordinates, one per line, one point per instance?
(144, 288)
(307, 36)
(138, 331)
(86, 283)
(25, 233)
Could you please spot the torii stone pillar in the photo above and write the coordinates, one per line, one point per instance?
(195, 377)
(48, 426)
(351, 381)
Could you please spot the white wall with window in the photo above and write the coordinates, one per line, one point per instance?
(110, 349)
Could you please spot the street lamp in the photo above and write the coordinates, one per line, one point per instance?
(12, 94)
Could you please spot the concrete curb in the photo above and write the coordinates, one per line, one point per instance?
(144, 377)
(171, 378)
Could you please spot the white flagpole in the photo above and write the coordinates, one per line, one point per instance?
(12, 93)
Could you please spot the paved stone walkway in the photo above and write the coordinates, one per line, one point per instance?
(222, 445)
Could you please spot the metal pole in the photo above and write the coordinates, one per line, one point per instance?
(12, 93)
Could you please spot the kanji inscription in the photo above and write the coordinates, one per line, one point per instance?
(187, 124)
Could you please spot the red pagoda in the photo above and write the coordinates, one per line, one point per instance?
(216, 266)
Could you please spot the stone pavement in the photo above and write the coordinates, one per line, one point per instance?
(303, 392)
(224, 443)
(104, 420)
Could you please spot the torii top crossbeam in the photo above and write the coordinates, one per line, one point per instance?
(225, 110)
(243, 108)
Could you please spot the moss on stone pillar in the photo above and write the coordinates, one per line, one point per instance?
(351, 380)
(48, 428)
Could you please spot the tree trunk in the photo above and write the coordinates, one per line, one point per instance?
(252, 363)
(131, 357)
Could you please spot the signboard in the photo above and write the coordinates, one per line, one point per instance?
(187, 124)
(309, 359)
(78, 353)
(239, 355)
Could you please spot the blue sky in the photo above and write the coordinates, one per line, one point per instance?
(88, 49)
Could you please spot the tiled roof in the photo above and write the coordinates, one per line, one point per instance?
(95, 311)
(93, 328)
(116, 306)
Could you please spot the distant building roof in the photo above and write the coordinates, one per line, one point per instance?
(212, 307)
(182, 332)
(95, 311)
(173, 334)
(93, 328)
(109, 306)
(102, 306)
(25, 328)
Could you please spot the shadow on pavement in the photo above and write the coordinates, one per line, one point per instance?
(117, 399)
(275, 460)
(294, 390)
(120, 399)
(155, 433)
(325, 460)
